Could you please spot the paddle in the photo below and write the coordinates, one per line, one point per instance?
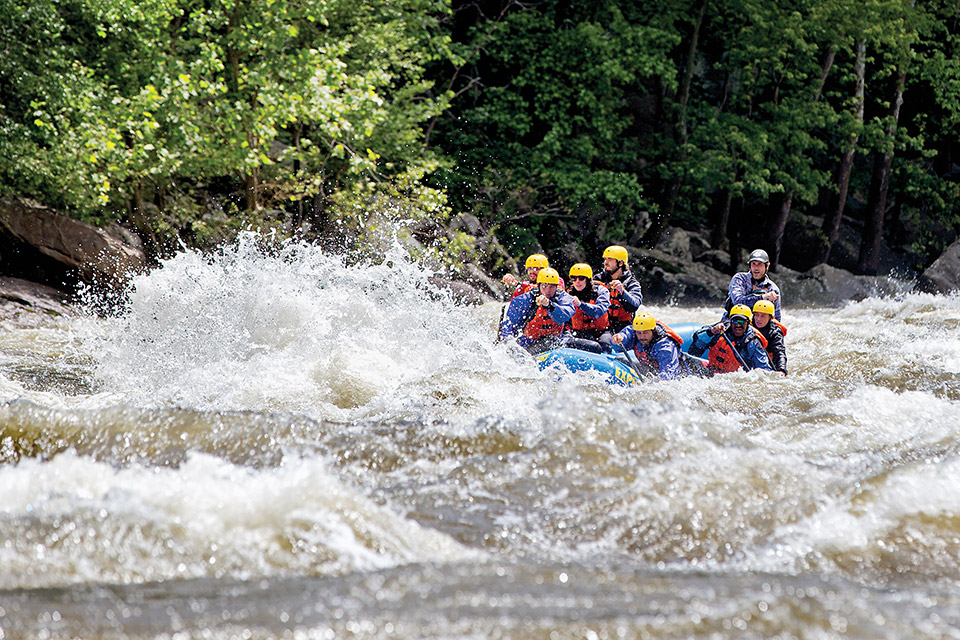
(634, 362)
(736, 354)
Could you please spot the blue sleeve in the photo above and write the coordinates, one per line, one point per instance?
(629, 338)
(776, 303)
(602, 305)
(757, 356)
(563, 307)
(739, 290)
(513, 318)
(667, 356)
(632, 295)
(701, 340)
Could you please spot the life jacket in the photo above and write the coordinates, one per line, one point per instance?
(617, 312)
(581, 320)
(522, 288)
(662, 331)
(540, 324)
(525, 285)
(721, 358)
(783, 329)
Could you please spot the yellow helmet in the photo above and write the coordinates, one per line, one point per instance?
(581, 269)
(741, 310)
(764, 306)
(616, 252)
(548, 276)
(537, 261)
(644, 322)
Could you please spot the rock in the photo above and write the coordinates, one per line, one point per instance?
(484, 288)
(829, 286)
(715, 259)
(943, 276)
(674, 278)
(697, 285)
(39, 245)
(30, 304)
(494, 257)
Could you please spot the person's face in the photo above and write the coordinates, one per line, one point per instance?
(645, 337)
(610, 265)
(579, 282)
(738, 325)
(532, 273)
(758, 269)
(761, 319)
(548, 289)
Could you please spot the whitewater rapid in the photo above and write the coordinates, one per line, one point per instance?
(313, 435)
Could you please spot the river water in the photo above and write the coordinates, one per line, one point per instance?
(273, 444)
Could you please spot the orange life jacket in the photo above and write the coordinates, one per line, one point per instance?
(581, 320)
(782, 328)
(541, 325)
(721, 358)
(664, 331)
(522, 288)
(525, 285)
(617, 312)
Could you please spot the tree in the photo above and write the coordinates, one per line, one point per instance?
(249, 103)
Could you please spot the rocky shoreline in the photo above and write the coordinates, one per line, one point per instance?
(44, 257)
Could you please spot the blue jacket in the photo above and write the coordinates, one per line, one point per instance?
(603, 301)
(522, 308)
(748, 346)
(745, 290)
(662, 352)
(632, 291)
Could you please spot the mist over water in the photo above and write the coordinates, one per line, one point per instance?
(270, 442)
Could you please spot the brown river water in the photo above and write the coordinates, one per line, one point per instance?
(276, 445)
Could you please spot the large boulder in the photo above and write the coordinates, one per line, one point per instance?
(943, 276)
(829, 286)
(39, 245)
(30, 304)
(669, 273)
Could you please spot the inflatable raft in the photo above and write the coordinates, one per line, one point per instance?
(615, 367)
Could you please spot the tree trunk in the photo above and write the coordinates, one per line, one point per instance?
(297, 213)
(719, 233)
(775, 233)
(665, 213)
(251, 186)
(831, 222)
(736, 241)
(136, 213)
(872, 237)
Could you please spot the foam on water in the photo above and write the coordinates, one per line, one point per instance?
(76, 520)
(289, 328)
(307, 415)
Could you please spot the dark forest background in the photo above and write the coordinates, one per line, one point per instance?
(551, 124)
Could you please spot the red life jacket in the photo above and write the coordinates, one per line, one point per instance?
(617, 312)
(662, 331)
(541, 325)
(525, 286)
(721, 358)
(522, 288)
(581, 320)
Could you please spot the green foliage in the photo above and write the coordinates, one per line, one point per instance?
(555, 123)
(318, 101)
(549, 129)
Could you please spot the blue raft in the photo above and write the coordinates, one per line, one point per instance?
(616, 367)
